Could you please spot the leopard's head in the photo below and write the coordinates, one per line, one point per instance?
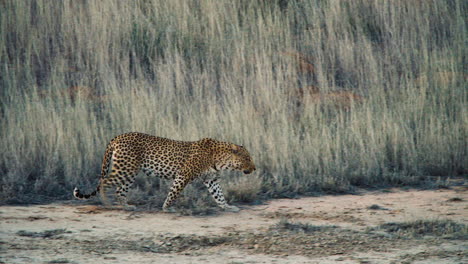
(241, 159)
(229, 156)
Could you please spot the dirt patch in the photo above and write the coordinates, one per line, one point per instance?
(379, 227)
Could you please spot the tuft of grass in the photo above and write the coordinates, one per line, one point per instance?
(455, 199)
(446, 229)
(376, 207)
(60, 260)
(45, 234)
(286, 225)
(243, 189)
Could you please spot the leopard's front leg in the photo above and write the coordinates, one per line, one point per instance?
(217, 193)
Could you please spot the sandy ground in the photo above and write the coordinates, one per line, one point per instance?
(325, 229)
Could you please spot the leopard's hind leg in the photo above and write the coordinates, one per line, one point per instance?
(121, 192)
(104, 186)
(121, 176)
(178, 185)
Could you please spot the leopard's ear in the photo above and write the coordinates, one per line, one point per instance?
(235, 148)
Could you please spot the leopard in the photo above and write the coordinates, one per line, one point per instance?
(180, 161)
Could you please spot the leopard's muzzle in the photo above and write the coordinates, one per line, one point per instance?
(250, 170)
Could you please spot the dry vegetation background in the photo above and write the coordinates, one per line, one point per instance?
(326, 95)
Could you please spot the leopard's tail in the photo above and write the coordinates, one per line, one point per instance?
(104, 170)
(82, 196)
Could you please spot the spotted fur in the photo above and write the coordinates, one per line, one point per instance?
(182, 161)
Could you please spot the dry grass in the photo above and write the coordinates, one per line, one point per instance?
(311, 95)
(305, 64)
(73, 94)
(244, 189)
(187, 70)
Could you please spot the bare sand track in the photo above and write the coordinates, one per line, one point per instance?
(393, 226)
